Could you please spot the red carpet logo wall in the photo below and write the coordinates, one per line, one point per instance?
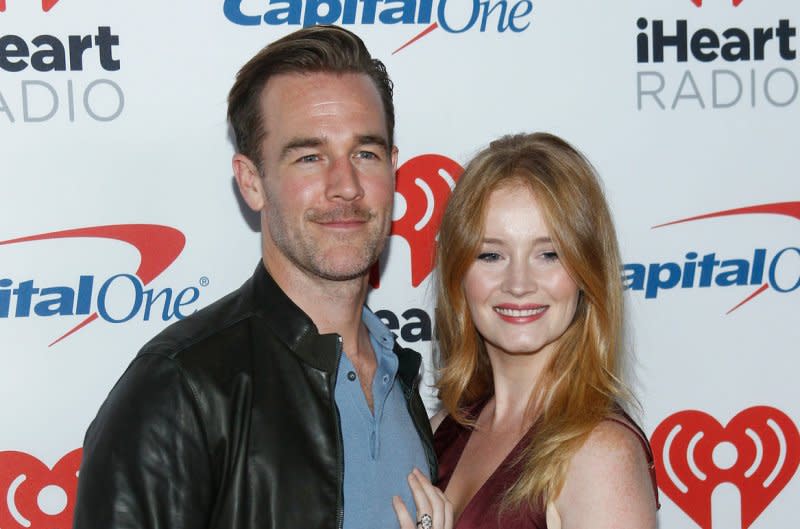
(35, 496)
(758, 452)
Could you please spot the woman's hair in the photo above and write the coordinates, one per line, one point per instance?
(581, 385)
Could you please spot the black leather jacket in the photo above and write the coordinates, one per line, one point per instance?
(227, 420)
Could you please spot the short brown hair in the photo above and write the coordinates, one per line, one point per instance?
(308, 50)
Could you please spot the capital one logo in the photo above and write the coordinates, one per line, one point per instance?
(33, 496)
(158, 247)
(424, 184)
(47, 5)
(453, 16)
(777, 270)
(757, 452)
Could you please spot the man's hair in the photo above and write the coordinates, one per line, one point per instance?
(582, 384)
(328, 49)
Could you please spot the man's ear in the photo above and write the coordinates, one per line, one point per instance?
(394, 158)
(248, 179)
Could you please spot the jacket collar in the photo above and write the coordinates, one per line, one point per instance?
(296, 330)
(290, 324)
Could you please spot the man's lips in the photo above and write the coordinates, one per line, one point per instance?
(520, 313)
(343, 224)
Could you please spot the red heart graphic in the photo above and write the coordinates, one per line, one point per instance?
(699, 3)
(425, 189)
(22, 479)
(767, 453)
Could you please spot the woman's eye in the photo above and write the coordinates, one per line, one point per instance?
(488, 256)
(550, 256)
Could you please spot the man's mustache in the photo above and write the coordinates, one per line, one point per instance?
(347, 213)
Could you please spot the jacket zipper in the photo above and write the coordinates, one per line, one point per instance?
(415, 419)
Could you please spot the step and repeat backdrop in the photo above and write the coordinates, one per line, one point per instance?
(119, 213)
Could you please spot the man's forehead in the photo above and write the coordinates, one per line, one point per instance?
(301, 98)
(296, 83)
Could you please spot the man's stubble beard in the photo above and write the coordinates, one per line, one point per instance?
(303, 251)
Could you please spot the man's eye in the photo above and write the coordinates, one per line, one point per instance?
(488, 257)
(308, 158)
(367, 155)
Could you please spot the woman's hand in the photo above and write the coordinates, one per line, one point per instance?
(434, 511)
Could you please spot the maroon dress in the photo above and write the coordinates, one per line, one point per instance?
(482, 511)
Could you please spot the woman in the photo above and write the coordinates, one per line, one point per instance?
(529, 320)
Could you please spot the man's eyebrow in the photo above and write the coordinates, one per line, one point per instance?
(300, 143)
(373, 139)
(312, 142)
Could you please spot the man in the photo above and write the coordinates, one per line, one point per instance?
(287, 403)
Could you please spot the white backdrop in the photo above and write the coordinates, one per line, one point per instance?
(112, 123)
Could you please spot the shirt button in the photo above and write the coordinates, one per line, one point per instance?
(351, 375)
(385, 379)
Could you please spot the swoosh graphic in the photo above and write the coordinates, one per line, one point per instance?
(419, 36)
(788, 209)
(158, 247)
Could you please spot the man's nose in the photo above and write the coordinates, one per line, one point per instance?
(344, 181)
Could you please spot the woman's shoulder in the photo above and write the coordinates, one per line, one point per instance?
(609, 479)
(615, 441)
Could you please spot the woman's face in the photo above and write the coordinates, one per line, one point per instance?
(520, 296)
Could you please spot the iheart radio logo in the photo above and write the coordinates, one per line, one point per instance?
(758, 452)
(34, 496)
(424, 183)
(699, 3)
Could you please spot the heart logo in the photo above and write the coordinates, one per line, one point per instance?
(758, 452)
(699, 3)
(424, 183)
(47, 5)
(34, 496)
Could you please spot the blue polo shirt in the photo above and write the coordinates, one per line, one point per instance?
(380, 449)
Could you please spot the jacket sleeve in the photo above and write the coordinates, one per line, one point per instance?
(145, 459)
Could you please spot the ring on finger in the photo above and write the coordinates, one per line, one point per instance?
(425, 521)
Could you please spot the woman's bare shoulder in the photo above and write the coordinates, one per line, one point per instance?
(608, 483)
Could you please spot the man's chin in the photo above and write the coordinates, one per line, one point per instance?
(343, 267)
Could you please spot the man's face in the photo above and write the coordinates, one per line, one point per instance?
(327, 174)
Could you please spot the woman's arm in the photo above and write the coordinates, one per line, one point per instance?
(608, 484)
